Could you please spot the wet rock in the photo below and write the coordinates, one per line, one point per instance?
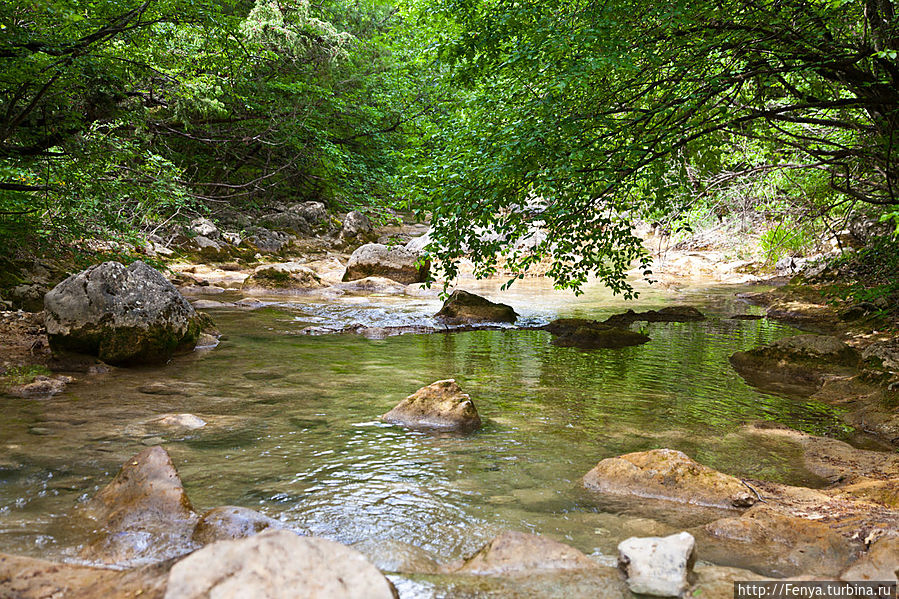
(124, 315)
(669, 475)
(206, 341)
(441, 406)
(143, 515)
(41, 387)
(777, 544)
(287, 275)
(160, 388)
(177, 422)
(355, 225)
(376, 260)
(668, 314)
(518, 553)
(880, 562)
(231, 522)
(265, 241)
(277, 565)
(204, 304)
(659, 566)
(462, 307)
(591, 334)
(796, 365)
(389, 555)
(31, 578)
(717, 582)
(747, 317)
(204, 227)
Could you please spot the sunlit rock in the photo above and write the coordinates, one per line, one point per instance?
(230, 522)
(659, 566)
(376, 260)
(462, 307)
(518, 553)
(277, 565)
(441, 406)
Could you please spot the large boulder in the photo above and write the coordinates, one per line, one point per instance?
(441, 406)
(669, 475)
(376, 260)
(355, 226)
(797, 364)
(230, 522)
(286, 275)
(519, 553)
(659, 566)
(591, 334)
(121, 314)
(143, 515)
(314, 213)
(264, 241)
(462, 307)
(669, 314)
(277, 565)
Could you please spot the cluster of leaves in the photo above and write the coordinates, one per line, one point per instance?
(599, 112)
(115, 116)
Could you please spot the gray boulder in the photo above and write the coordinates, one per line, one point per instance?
(659, 566)
(123, 315)
(277, 565)
(314, 213)
(265, 241)
(441, 406)
(355, 225)
(376, 260)
(463, 307)
(204, 227)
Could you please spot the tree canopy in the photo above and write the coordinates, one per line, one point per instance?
(578, 116)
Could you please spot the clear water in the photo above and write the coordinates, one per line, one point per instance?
(293, 428)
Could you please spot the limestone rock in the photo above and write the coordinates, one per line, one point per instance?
(122, 314)
(177, 422)
(204, 227)
(276, 565)
(668, 314)
(143, 515)
(286, 275)
(389, 555)
(659, 566)
(441, 405)
(670, 475)
(376, 260)
(314, 213)
(462, 307)
(355, 225)
(230, 522)
(518, 553)
(265, 241)
(41, 387)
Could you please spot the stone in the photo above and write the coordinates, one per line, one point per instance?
(389, 555)
(265, 241)
(287, 221)
(177, 422)
(143, 515)
(659, 566)
(210, 249)
(276, 565)
(32, 578)
(883, 354)
(355, 225)
(462, 307)
(204, 227)
(376, 260)
(600, 338)
(669, 475)
(880, 562)
(314, 213)
(668, 314)
(417, 245)
(286, 275)
(123, 315)
(778, 544)
(441, 405)
(28, 297)
(41, 387)
(796, 365)
(230, 522)
(517, 553)
(372, 286)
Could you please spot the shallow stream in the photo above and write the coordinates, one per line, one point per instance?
(292, 423)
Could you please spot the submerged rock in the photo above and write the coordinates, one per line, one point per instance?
(177, 422)
(376, 260)
(670, 475)
(277, 565)
(143, 515)
(230, 522)
(441, 406)
(462, 307)
(41, 387)
(518, 553)
(122, 314)
(796, 364)
(659, 566)
(389, 555)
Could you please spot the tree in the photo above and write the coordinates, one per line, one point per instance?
(578, 116)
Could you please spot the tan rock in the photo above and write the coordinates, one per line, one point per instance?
(670, 475)
(230, 522)
(514, 553)
(441, 405)
(881, 562)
